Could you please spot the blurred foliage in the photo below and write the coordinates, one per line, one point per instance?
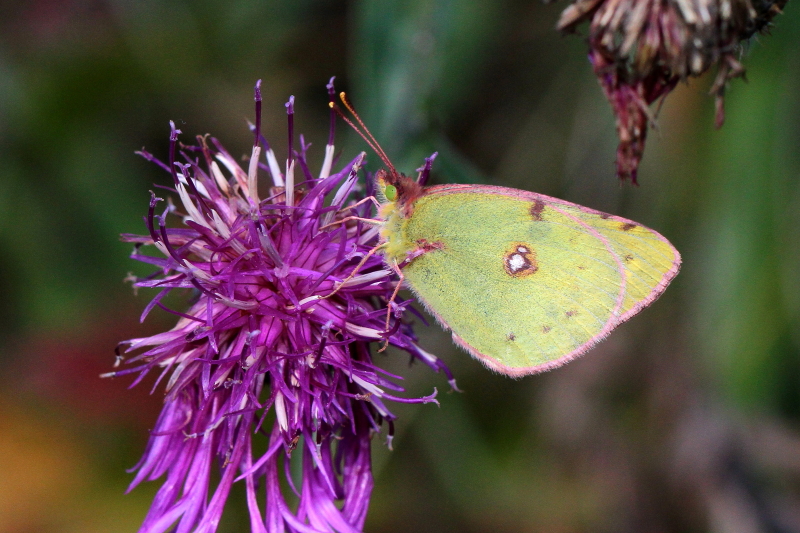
(686, 419)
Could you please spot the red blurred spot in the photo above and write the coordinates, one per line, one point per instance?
(65, 369)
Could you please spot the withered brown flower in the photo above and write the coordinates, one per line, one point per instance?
(641, 49)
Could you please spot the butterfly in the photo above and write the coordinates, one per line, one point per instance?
(525, 282)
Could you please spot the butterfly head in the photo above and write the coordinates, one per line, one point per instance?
(397, 189)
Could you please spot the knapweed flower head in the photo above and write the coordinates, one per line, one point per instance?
(641, 49)
(269, 372)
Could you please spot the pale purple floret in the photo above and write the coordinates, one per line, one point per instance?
(265, 358)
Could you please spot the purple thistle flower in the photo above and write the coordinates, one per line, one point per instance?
(266, 357)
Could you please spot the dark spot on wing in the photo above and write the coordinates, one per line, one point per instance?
(423, 247)
(520, 260)
(570, 314)
(536, 210)
(546, 329)
(628, 258)
(627, 226)
(428, 246)
(605, 216)
(581, 267)
(511, 337)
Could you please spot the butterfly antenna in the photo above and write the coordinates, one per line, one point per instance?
(375, 145)
(355, 128)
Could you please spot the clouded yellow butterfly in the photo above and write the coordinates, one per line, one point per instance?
(525, 282)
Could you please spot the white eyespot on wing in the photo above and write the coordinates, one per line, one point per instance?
(520, 260)
(516, 263)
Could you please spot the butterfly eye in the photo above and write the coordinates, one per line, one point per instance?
(391, 193)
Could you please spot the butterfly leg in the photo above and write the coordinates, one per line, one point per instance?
(423, 247)
(355, 270)
(373, 221)
(363, 201)
(397, 288)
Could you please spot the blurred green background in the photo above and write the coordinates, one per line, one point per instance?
(685, 419)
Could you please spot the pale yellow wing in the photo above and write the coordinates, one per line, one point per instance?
(524, 281)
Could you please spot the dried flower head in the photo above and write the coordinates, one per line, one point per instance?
(640, 49)
(267, 368)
